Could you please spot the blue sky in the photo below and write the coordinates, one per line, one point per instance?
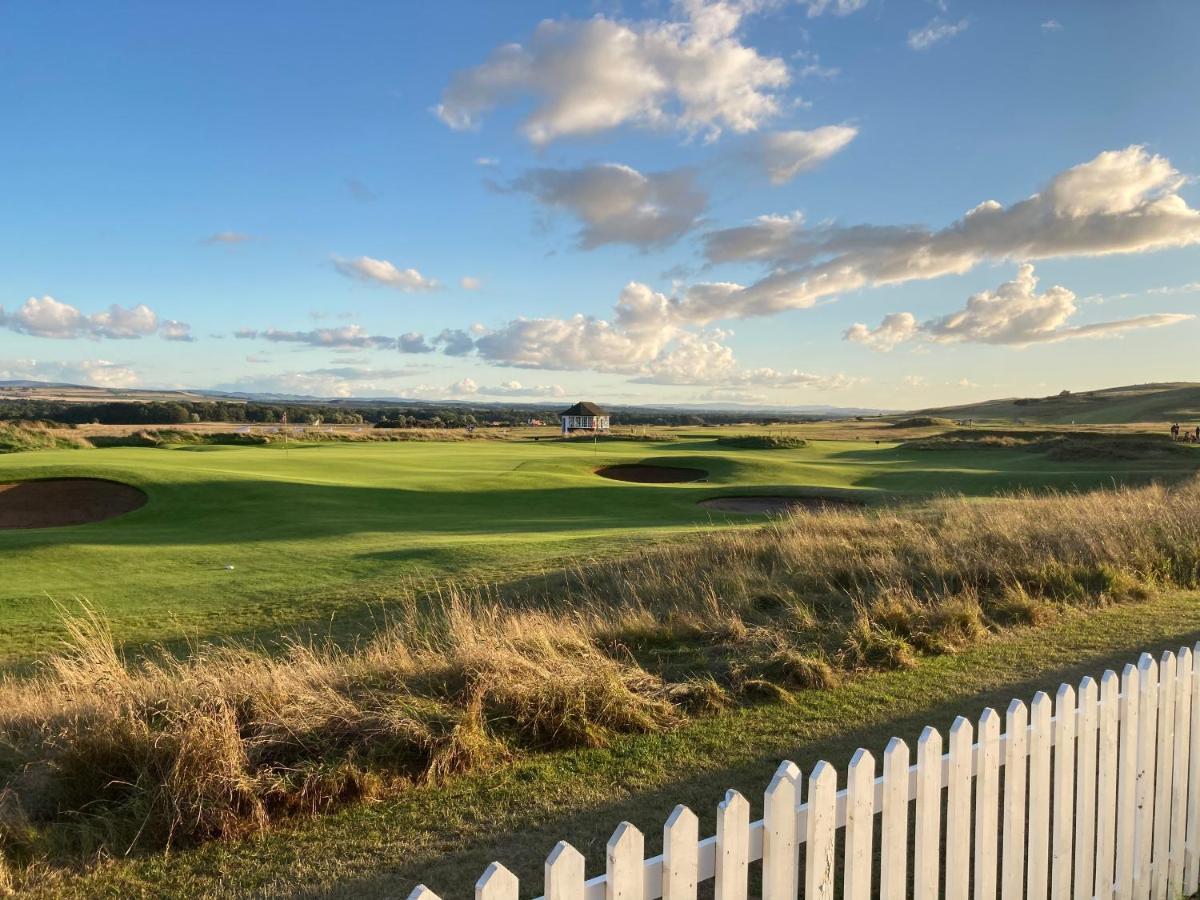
(743, 201)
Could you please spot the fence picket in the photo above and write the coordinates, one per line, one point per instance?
(893, 858)
(1128, 815)
(681, 874)
(822, 832)
(1106, 784)
(1179, 770)
(1040, 737)
(626, 852)
(987, 805)
(563, 873)
(1016, 752)
(958, 811)
(860, 826)
(1147, 727)
(1064, 788)
(420, 892)
(781, 861)
(1191, 855)
(1164, 757)
(733, 848)
(1085, 788)
(496, 883)
(928, 834)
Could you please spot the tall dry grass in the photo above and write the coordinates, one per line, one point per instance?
(103, 755)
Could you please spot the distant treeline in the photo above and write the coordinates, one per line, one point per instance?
(177, 412)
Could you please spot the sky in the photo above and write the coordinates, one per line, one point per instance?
(879, 203)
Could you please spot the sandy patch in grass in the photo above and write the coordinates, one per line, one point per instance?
(52, 502)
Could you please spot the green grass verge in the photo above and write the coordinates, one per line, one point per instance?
(314, 531)
(446, 835)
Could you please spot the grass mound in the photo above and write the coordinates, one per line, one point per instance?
(923, 422)
(763, 441)
(1062, 446)
(103, 756)
(16, 437)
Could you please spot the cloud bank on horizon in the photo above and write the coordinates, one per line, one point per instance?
(681, 142)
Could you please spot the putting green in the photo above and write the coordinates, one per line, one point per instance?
(313, 531)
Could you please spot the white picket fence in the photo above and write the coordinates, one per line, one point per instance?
(1094, 794)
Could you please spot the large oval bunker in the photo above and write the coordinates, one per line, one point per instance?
(643, 473)
(54, 502)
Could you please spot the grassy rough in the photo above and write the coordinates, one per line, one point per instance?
(763, 441)
(100, 755)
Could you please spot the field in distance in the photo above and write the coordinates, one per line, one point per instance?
(249, 540)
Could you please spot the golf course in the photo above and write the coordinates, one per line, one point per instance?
(249, 541)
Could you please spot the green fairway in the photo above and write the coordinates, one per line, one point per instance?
(316, 530)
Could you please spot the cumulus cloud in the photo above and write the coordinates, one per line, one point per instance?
(934, 32)
(50, 318)
(785, 154)
(380, 271)
(1123, 201)
(468, 387)
(616, 204)
(94, 372)
(413, 342)
(454, 342)
(693, 74)
(470, 283)
(1014, 314)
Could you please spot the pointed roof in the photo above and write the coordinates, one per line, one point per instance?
(584, 408)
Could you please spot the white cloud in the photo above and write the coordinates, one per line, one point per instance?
(895, 329)
(487, 162)
(1123, 201)
(1052, 25)
(49, 318)
(1192, 287)
(785, 154)
(226, 237)
(380, 271)
(836, 7)
(616, 204)
(1014, 314)
(811, 66)
(353, 336)
(691, 74)
(95, 372)
(470, 283)
(935, 31)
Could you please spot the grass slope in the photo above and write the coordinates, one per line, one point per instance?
(318, 529)
(445, 835)
(1168, 402)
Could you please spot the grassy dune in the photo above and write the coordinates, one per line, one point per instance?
(316, 533)
(1169, 402)
(103, 756)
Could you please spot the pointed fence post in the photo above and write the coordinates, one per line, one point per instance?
(1016, 762)
(1106, 784)
(496, 883)
(1128, 815)
(1191, 853)
(733, 848)
(860, 826)
(1143, 840)
(1040, 740)
(625, 857)
(1064, 790)
(987, 805)
(1085, 788)
(958, 811)
(893, 856)
(1164, 754)
(420, 892)
(781, 849)
(1179, 773)
(822, 830)
(681, 835)
(564, 873)
(928, 830)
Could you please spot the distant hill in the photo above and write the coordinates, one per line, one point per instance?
(1167, 402)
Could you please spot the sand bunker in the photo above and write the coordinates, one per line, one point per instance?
(51, 502)
(644, 474)
(775, 505)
